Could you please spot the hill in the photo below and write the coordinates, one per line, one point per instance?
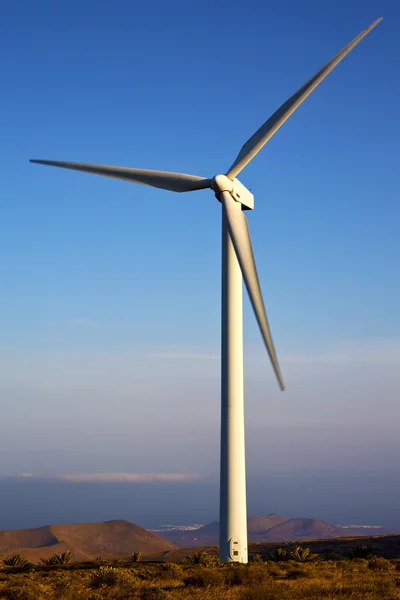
(87, 540)
(208, 534)
(260, 524)
(300, 529)
(272, 528)
(204, 536)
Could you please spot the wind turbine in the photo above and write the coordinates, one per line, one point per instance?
(237, 260)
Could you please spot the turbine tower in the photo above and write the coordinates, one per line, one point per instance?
(237, 261)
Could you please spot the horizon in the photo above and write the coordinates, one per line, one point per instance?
(110, 304)
(148, 505)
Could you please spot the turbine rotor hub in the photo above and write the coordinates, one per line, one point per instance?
(222, 183)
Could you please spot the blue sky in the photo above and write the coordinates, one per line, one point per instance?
(110, 301)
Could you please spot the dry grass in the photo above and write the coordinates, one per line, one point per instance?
(359, 579)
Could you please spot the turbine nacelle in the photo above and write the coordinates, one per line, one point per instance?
(223, 183)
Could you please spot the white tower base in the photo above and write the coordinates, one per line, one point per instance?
(233, 514)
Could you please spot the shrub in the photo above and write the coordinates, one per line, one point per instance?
(257, 559)
(58, 559)
(274, 570)
(17, 561)
(61, 582)
(193, 560)
(107, 576)
(380, 564)
(16, 591)
(136, 557)
(300, 554)
(278, 555)
(146, 573)
(239, 574)
(47, 562)
(357, 564)
(65, 557)
(339, 557)
(171, 569)
(361, 552)
(293, 573)
(205, 578)
(204, 559)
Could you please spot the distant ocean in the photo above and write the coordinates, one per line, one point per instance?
(368, 498)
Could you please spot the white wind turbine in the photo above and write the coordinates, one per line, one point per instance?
(237, 260)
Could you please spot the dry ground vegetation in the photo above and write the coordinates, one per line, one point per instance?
(287, 574)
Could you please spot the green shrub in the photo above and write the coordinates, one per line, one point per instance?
(47, 562)
(17, 561)
(278, 555)
(300, 554)
(339, 557)
(58, 559)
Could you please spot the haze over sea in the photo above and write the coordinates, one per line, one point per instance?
(335, 498)
(110, 292)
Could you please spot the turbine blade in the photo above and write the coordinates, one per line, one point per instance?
(175, 182)
(239, 232)
(266, 131)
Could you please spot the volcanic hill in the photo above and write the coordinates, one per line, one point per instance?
(300, 529)
(273, 528)
(260, 524)
(87, 540)
(208, 534)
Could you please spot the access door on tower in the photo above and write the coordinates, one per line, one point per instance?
(234, 548)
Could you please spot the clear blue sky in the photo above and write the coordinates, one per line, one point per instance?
(110, 295)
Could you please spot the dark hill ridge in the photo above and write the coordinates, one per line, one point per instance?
(87, 540)
(382, 545)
